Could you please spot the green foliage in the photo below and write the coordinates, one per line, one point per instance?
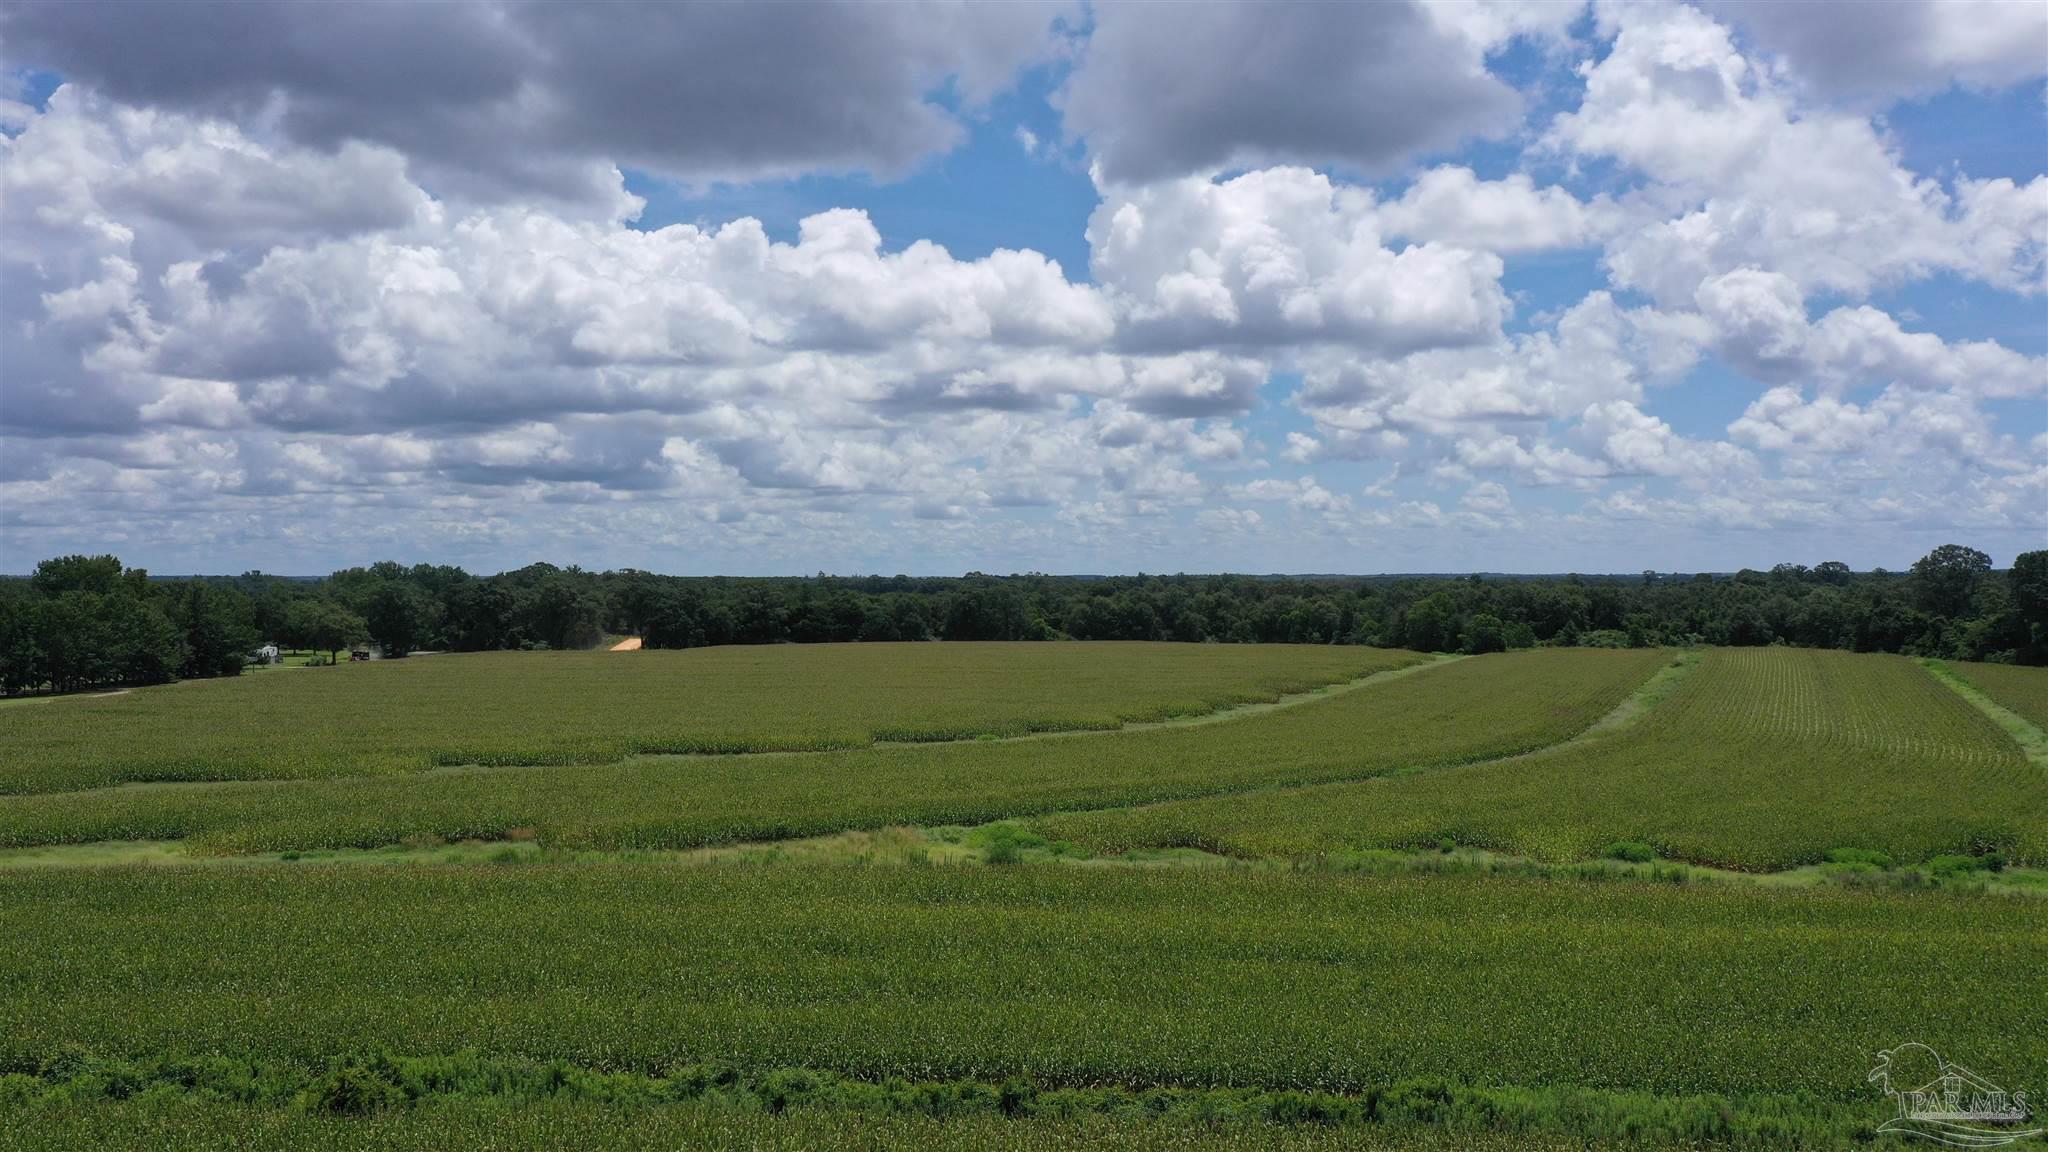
(1473, 709)
(98, 575)
(1633, 851)
(1112, 1120)
(350, 1088)
(584, 708)
(563, 616)
(1946, 609)
(1005, 843)
(1860, 858)
(2029, 581)
(1430, 624)
(1759, 759)
(1945, 579)
(1484, 632)
(218, 635)
(322, 625)
(371, 1091)
(84, 622)
(396, 616)
(1605, 638)
(1958, 864)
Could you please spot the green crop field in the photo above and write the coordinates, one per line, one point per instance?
(2023, 690)
(1758, 759)
(210, 963)
(1069, 977)
(594, 707)
(1466, 710)
(1023, 575)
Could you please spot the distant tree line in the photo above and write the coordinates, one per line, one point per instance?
(86, 622)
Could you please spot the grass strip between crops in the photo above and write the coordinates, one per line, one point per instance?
(1761, 760)
(2023, 690)
(1217, 715)
(1008, 843)
(1644, 699)
(2018, 689)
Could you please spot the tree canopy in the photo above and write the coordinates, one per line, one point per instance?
(87, 622)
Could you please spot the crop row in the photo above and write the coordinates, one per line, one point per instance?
(1462, 711)
(587, 708)
(366, 1086)
(1759, 759)
(587, 1126)
(1066, 976)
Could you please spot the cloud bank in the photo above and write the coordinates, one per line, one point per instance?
(374, 282)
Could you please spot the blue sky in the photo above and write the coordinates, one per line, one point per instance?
(1498, 289)
(986, 194)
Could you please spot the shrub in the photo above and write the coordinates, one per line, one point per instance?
(1956, 864)
(1860, 858)
(784, 1087)
(352, 1089)
(1005, 843)
(1633, 851)
(1016, 1096)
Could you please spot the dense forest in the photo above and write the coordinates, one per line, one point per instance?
(83, 622)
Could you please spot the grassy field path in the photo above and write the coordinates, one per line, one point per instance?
(2021, 688)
